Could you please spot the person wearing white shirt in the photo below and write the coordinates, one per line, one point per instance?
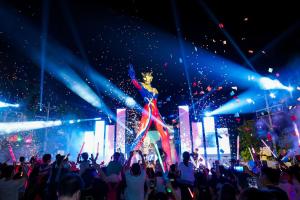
(135, 179)
(186, 177)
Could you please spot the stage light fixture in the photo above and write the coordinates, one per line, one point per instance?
(207, 114)
(272, 95)
(250, 101)
(290, 88)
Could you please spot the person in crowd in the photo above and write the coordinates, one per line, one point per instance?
(295, 179)
(122, 156)
(69, 188)
(59, 168)
(84, 163)
(187, 178)
(112, 177)
(269, 179)
(286, 184)
(202, 188)
(11, 183)
(114, 166)
(37, 184)
(227, 192)
(172, 187)
(134, 182)
(135, 177)
(150, 179)
(174, 172)
(256, 194)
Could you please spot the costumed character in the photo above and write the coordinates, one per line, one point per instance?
(150, 112)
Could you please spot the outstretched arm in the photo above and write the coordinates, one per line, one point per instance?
(78, 159)
(143, 159)
(131, 73)
(127, 165)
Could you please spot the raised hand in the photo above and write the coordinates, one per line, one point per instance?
(94, 159)
(131, 153)
(131, 71)
(140, 152)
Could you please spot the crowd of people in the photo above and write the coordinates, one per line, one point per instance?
(137, 179)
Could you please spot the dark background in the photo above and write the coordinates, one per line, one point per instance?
(111, 34)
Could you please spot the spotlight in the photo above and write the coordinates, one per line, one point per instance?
(272, 95)
(249, 100)
(4, 105)
(207, 114)
(130, 102)
(290, 88)
(269, 84)
(10, 127)
(71, 122)
(266, 83)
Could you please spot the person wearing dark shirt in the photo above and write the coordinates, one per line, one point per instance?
(269, 180)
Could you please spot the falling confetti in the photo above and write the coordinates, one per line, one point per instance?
(270, 70)
(209, 88)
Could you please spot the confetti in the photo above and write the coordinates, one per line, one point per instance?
(209, 88)
(250, 101)
(293, 118)
(20, 76)
(270, 70)
(220, 88)
(251, 78)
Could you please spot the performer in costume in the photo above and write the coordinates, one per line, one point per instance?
(150, 112)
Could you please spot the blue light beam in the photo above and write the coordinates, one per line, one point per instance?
(12, 127)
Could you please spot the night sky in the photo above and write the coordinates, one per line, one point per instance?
(107, 35)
